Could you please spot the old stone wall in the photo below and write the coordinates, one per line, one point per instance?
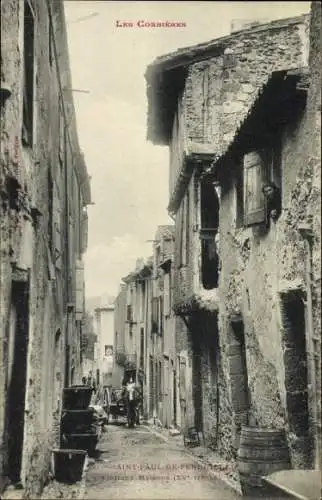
(219, 91)
(187, 244)
(29, 171)
(119, 320)
(217, 96)
(259, 265)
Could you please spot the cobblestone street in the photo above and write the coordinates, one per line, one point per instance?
(138, 464)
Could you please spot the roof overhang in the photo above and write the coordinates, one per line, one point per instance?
(139, 275)
(166, 75)
(278, 102)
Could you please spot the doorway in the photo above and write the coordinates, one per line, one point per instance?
(296, 377)
(238, 378)
(17, 376)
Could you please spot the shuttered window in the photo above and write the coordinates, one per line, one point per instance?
(129, 316)
(161, 313)
(255, 168)
(155, 315)
(167, 294)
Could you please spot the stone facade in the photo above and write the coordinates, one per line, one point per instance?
(162, 352)
(145, 330)
(231, 272)
(132, 324)
(104, 330)
(44, 193)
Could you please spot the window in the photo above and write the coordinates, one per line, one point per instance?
(142, 348)
(155, 315)
(158, 255)
(167, 294)
(161, 315)
(262, 194)
(108, 351)
(254, 179)
(209, 201)
(129, 316)
(28, 71)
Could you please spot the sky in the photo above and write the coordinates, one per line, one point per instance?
(129, 176)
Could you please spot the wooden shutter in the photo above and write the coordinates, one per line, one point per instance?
(154, 317)
(166, 294)
(254, 178)
(161, 312)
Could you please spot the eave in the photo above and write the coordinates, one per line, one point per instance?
(278, 102)
(165, 76)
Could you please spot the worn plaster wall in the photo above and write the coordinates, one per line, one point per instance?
(217, 96)
(216, 410)
(257, 266)
(47, 274)
(219, 91)
(119, 319)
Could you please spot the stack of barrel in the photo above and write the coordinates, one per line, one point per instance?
(261, 452)
(80, 428)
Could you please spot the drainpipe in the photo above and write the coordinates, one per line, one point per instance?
(306, 232)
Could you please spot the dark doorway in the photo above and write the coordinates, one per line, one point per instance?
(209, 229)
(142, 348)
(238, 375)
(17, 380)
(295, 362)
(196, 375)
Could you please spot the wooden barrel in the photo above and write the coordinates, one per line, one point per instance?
(261, 452)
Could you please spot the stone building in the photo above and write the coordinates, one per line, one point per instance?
(162, 353)
(132, 324)
(145, 330)
(89, 346)
(225, 262)
(44, 191)
(104, 331)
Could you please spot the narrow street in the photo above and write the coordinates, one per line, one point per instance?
(160, 250)
(134, 463)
